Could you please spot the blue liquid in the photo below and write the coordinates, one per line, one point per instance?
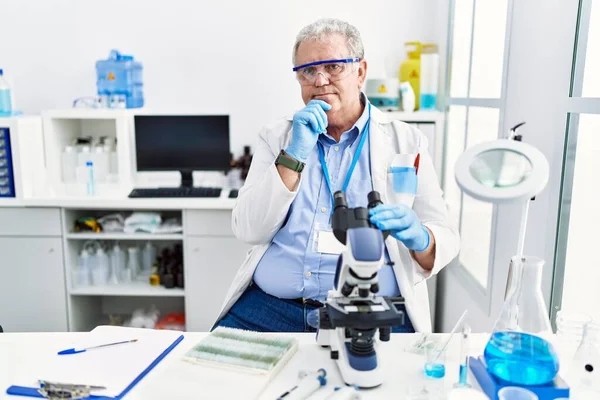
(5, 102)
(521, 358)
(462, 374)
(427, 101)
(435, 370)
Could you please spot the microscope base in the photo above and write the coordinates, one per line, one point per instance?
(363, 371)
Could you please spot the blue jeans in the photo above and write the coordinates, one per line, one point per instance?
(258, 311)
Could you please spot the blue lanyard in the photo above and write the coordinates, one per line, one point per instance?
(361, 142)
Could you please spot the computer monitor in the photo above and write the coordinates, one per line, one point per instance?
(183, 143)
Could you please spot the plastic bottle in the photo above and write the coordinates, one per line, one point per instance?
(81, 273)
(83, 156)
(119, 81)
(101, 164)
(133, 261)
(148, 257)
(430, 64)
(101, 269)
(410, 69)
(5, 96)
(69, 164)
(117, 264)
(408, 97)
(110, 149)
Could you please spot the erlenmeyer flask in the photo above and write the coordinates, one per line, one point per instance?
(519, 350)
(584, 372)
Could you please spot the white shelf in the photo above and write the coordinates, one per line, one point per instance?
(130, 289)
(416, 116)
(92, 202)
(87, 113)
(124, 236)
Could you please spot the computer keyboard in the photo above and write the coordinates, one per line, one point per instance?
(175, 192)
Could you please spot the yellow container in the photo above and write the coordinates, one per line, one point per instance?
(410, 69)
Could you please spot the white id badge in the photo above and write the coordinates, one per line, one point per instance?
(326, 241)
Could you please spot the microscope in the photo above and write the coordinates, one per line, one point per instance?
(353, 312)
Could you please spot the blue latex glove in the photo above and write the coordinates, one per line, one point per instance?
(307, 125)
(403, 224)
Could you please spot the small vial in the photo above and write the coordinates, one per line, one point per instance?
(90, 178)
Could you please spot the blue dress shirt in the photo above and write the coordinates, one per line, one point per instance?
(291, 267)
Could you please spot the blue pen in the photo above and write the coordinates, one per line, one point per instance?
(75, 351)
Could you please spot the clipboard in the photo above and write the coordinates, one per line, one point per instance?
(19, 390)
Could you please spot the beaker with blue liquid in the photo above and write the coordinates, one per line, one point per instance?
(520, 350)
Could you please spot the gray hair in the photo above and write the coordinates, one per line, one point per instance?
(319, 30)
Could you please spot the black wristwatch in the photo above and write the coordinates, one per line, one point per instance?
(289, 162)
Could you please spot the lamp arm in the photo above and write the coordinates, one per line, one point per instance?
(523, 228)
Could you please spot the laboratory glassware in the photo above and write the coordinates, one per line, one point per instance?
(463, 371)
(5, 96)
(584, 372)
(569, 332)
(516, 393)
(435, 361)
(90, 184)
(520, 350)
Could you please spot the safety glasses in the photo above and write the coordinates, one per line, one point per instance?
(332, 70)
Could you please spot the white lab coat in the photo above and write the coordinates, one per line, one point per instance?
(263, 203)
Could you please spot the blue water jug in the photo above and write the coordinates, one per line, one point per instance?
(120, 76)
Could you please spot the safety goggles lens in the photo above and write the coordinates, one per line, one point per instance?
(332, 70)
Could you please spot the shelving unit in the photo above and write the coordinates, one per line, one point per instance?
(117, 236)
(90, 305)
(62, 127)
(128, 289)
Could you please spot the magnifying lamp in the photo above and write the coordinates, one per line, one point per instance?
(503, 171)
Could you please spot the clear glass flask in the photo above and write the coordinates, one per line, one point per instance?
(584, 371)
(520, 350)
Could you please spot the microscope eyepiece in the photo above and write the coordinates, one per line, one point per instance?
(339, 200)
(374, 199)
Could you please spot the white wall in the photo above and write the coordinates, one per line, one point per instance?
(202, 56)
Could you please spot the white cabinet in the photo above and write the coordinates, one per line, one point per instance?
(32, 285)
(212, 258)
(211, 265)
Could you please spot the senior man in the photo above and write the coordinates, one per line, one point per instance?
(284, 208)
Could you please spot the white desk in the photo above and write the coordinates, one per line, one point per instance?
(19, 350)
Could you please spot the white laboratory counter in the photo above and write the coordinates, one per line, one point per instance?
(121, 201)
(174, 379)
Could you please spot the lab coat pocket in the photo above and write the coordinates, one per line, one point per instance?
(402, 179)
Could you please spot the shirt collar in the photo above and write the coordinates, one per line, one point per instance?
(357, 128)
